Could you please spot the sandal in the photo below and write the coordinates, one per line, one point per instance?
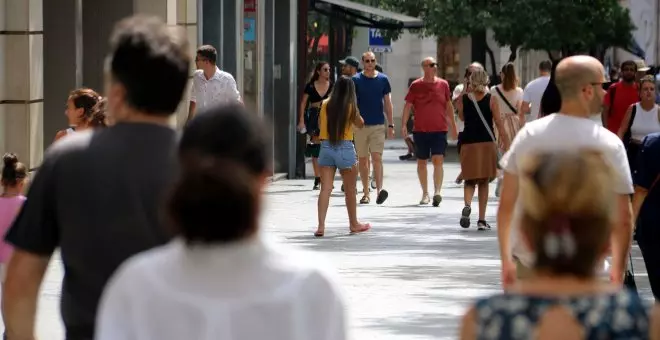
(483, 225)
(365, 200)
(319, 233)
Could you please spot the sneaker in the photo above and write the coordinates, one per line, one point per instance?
(425, 199)
(317, 183)
(483, 225)
(465, 217)
(436, 200)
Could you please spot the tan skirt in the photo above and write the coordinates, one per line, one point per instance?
(478, 161)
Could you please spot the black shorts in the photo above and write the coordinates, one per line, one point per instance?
(429, 144)
(312, 121)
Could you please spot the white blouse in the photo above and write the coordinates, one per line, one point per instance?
(645, 122)
(244, 291)
(514, 97)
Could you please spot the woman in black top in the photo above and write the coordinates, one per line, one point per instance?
(316, 90)
(478, 148)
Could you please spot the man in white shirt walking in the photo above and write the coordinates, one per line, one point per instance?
(579, 81)
(210, 85)
(534, 91)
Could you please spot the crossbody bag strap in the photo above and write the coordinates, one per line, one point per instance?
(506, 101)
(481, 115)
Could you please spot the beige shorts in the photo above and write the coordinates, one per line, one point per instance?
(369, 139)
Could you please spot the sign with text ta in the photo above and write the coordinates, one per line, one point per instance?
(378, 42)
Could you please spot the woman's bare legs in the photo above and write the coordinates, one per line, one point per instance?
(327, 177)
(483, 198)
(349, 177)
(315, 165)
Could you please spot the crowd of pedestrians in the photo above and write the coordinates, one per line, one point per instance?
(133, 207)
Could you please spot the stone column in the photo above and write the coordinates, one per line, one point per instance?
(21, 79)
(62, 62)
(285, 104)
(181, 13)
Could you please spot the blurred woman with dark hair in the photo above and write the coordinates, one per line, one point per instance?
(220, 278)
(79, 110)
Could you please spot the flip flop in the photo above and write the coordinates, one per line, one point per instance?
(364, 228)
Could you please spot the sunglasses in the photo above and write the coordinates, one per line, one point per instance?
(369, 60)
(325, 69)
(432, 65)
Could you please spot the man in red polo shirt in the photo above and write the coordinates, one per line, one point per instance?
(620, 96)
(434, 115)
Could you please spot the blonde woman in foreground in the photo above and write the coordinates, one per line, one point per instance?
(567, 213)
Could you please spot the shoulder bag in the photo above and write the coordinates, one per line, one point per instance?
(506, 101)
(490, 132)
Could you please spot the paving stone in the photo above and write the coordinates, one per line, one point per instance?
(411, 277)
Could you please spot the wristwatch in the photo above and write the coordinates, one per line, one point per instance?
(391, 126)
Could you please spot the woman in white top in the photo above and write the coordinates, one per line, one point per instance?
(641, 119)
(509, 98)
(219, 279)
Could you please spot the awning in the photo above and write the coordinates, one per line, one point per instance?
(635, 49)
(363, 15)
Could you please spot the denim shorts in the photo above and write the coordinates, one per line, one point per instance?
(341, 156)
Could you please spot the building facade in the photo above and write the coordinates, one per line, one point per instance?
(48, 48)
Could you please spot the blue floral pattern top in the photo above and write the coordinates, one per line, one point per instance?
(619, 315)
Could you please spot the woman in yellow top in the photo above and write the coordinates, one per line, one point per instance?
(336, 119)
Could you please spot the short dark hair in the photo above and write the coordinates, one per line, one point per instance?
(629, 63)
(208, 52)
(223, 152)
(152, 61)
(545, 66)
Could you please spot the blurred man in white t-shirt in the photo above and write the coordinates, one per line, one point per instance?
(534, 91)
(579, 80)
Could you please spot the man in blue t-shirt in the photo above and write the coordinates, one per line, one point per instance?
(375, 104)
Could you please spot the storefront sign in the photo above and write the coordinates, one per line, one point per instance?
(379, 43)
(249, 29)
(250, 6)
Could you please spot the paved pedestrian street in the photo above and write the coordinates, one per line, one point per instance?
(411, 277)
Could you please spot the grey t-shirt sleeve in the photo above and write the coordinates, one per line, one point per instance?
(35, 229)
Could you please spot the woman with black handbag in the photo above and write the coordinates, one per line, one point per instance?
(479, 151)
(641, 119)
